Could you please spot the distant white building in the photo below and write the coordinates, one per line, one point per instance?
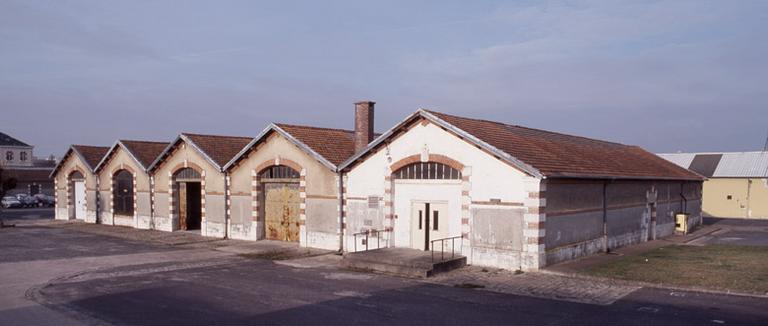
(17, 158)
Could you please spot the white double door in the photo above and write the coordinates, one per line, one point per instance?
(429, 221)
(79, 200)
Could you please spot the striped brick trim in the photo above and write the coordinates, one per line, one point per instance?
(172, 210)
(55, 198)
(257, 191)
(71, 190)
(228, 201)
(152, 202)
(135, 204)
(342, 207)
(255, 195)
(466, 200)
(534, 231)
(202, 202)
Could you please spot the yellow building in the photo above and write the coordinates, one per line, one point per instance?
(737, 184)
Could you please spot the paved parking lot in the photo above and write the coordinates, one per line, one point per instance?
(736, 232)
(71, 274)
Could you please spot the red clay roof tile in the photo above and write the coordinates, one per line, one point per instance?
(335, 145)
(145, 151)
(221, 149)
(92, 154)
(561, 155)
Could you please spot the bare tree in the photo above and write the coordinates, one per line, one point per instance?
(6, 183)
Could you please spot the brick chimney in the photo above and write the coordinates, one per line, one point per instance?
(363, 124)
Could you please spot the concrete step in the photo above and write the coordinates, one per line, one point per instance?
(401, 262)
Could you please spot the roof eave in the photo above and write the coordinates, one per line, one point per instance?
(82, 158)
(201, 151)
(565, 175)
(61, 162)
(495, 151)
(162, 155)
(120, 143)
(376, 141)
(528, 169)
(104, 159)
(305, 148)
(248, 147)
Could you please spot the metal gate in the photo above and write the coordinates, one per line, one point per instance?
(282, 203)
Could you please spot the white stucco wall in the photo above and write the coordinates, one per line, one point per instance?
(489, 184)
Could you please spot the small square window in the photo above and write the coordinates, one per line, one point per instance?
(729, 197)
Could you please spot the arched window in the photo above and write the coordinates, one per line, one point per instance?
(187, 175)
(279, 172)
(427, 171)
(123, 193)
(76, 175)
(9, 156)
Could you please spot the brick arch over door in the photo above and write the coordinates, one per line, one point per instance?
(466, 184)
(171, 199)
(416, 158)
(256, 188)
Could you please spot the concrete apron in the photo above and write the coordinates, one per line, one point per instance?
(402, 262)
(21, 278)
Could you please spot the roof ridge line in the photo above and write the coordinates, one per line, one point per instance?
(529, 128)
(312, 127)
(211, 135)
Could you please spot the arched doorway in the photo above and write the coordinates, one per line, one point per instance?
(187, 192)
(429, 194)
(281, 202)
(122, 193)
(77, 199)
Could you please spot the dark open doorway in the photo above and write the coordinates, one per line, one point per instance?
(190, 208)
(188, 198)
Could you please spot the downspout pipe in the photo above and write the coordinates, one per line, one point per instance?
(685, 200)
(341, 212)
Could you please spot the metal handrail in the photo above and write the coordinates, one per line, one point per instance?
(369, 233)
(442, 247)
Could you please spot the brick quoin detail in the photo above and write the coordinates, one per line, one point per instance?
(70, 188)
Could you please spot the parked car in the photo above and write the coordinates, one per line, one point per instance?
(27, 200)
(45, 200)
(11, 202)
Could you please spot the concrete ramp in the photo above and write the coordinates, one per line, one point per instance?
(402, 262)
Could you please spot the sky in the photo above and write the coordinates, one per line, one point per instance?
(665, 75)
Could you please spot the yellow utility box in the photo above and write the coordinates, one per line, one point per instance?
(681, 222)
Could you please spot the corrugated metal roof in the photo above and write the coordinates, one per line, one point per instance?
(744, 164)
(681, 159)
(732, 164)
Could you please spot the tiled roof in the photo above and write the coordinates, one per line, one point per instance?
(145, 151)
(561, 155)
(335, 145)
(727, 164)
(91, 154)
(221, 149)
(6, 140)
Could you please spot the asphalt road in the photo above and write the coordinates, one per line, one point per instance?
(11, 215)
(50, 274)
